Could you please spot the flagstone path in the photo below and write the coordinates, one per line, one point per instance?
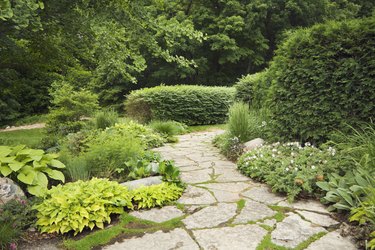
(222, 209)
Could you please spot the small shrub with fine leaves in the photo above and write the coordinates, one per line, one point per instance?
(105, 118)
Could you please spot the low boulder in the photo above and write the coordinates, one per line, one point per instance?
(9, 190)
(149, 181)
(253, 144)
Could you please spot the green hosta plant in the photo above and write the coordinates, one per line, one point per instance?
(158, 195)
(170, 172)
(31, 167)
(345, 192)
(81, 204)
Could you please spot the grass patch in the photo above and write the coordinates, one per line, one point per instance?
(201, 128)
(29, 137)
(128, 226)
(240, 205)
(266, 244)
(310, 240)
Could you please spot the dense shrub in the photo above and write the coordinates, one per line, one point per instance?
(289, 168)
(106, 155)
(105, 118)
(323, 77)
(253, 89)
(69, 107)
(79, 205)
(168, 129)
(192, 105)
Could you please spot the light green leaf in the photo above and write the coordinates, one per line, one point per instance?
(5, 151)
(57, 164)
(5, 170)
(55, 174)
(15, 166)
(27, 177)
(37, 190)
(41, 179)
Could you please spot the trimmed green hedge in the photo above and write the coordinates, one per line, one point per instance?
(252, 89)
(190, 104)
(323, 77)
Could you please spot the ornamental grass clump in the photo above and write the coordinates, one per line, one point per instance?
(290, 167)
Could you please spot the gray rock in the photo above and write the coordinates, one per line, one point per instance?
(319, 219)
(253, 211)
(308, 205)
(262, 194)
(176, 239)
(9, 190)
(158, 214)
(211, 216)
(229, 187)
(244, 237)
(268, 222)
(196, 196)
(293, 230)
(332, 241)
(149, 181)
(253, 144)
(229, 175)
(225, 196)
(197, 176)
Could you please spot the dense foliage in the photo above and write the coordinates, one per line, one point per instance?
(289, 168)
(323, 77)
(188, 104)
(108, 46)
(80, 204)
(30, 167)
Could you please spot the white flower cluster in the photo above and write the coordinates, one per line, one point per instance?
(332, 151)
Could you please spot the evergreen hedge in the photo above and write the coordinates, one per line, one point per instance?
(253, 89)
(190, 104)
(322, 78)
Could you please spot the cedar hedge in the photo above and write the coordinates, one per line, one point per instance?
(322, 78)
(190, 104)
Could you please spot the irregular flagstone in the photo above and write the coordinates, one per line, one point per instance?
(244, 237)
(262, 194)
(225, 196)
(309, 205)
(224, 164)
(293, 230)
(197, 176)
(176, 239)
(211, 216)
(158, 214)
(253, 211)
(185, 163)
(196, 196)
(231, 187)
(229, 175)
(268, 222)
(320, 219)
(332, 241)
(189, 168)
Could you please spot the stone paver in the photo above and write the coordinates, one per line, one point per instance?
(158, 214)
(293, 230)
(262, 194)
(196, 196)
(253, 211)
(229, 238)
(319, 219)
(176, 239)
(332, 241)
(213, 220)
(211, 216)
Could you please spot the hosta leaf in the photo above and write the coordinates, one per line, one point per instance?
(55, 174)
(5, 170)
(7, 159)
(27, 177)
(37, 190)
(41, 179)
(4, 151)
(323, 185)
(15, 166)
(57, 164)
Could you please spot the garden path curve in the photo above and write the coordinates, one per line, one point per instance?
(222, 209)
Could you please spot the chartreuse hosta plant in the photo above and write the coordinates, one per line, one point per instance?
(86, 204)
(81, 204)
(31, 167)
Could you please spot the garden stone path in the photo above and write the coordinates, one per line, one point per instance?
(222, 209)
